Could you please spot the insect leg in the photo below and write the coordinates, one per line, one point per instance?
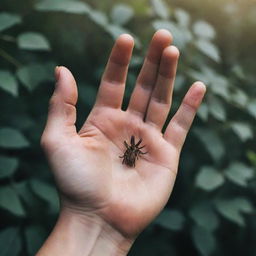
(132, 141)
(138, 143)
(126, 144)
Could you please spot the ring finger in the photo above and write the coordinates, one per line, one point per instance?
(148, 74)
(161, 97)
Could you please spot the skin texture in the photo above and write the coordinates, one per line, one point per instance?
(109, 200)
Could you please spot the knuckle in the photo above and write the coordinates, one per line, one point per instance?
(47, 141)
(43, 141)
(53, 101)
(189, 106)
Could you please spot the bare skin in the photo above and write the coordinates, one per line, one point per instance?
(105, 204)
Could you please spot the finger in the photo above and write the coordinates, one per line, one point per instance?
(160, 100)
(179, 125)
(148, 74)
(112, 85)
(62, 110)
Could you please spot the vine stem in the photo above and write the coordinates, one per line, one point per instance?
(8, 38)
(9, 58)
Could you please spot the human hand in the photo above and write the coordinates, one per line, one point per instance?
(94, 186)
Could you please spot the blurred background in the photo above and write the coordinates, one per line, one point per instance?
(212, 208)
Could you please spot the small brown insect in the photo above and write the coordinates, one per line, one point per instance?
(132, 152)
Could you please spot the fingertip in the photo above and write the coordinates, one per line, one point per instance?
(195, 94)
(122, 50)
(65, 74)
(171, 52)
(57, 73)
(163, 35)
(126, 40)
(199, 87)
(66, 85)
(126, 36)
(160, 40)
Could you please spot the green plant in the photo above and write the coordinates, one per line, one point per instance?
(212, 208)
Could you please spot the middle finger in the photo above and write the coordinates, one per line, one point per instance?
(148, 74)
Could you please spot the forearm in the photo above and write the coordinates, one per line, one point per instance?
(76, 234)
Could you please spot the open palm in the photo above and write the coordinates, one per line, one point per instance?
(89, 172)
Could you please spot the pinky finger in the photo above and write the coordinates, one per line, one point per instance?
(179, 125)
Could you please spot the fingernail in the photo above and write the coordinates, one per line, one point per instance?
(57, 73)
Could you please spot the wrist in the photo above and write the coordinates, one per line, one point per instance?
(79, 234)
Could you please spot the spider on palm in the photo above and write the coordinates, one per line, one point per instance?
(132, 152)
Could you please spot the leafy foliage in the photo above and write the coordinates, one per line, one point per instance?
(12, 138)
(33, 41)
(209, 179)
(10, 241)
(216, 186)
(173, 220)
(8, 20)
(8, 82)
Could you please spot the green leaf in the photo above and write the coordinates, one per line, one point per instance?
(179, 83)
(203, 29)
(11, 138)
(121, 14)
(216, 83)
(34, 74)
(99, 18)
(8, 83)
(10, 201)
(212, 142)
(181, 35)
(136, 61)
(204, 240)
(35, 236)
(47, 193)
(8, 20)
(115, 31)
(10, 242)
(240, 98)
(201, 75)
(27, 196)
(182, 17)
(243, 131)
(209, 179)
(76, 7)
(220, 87)
(33, 41)
(217, 109)
(209, 49)
(251, 156)
(171, 219)
(23, 121)
(239, 173)
(8, 166)
(203, 112)
(239, 72)
(160, 8)
(232, 209)
(204, 216)
(252, 108)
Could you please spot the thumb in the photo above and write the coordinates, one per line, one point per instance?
(62, 110)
